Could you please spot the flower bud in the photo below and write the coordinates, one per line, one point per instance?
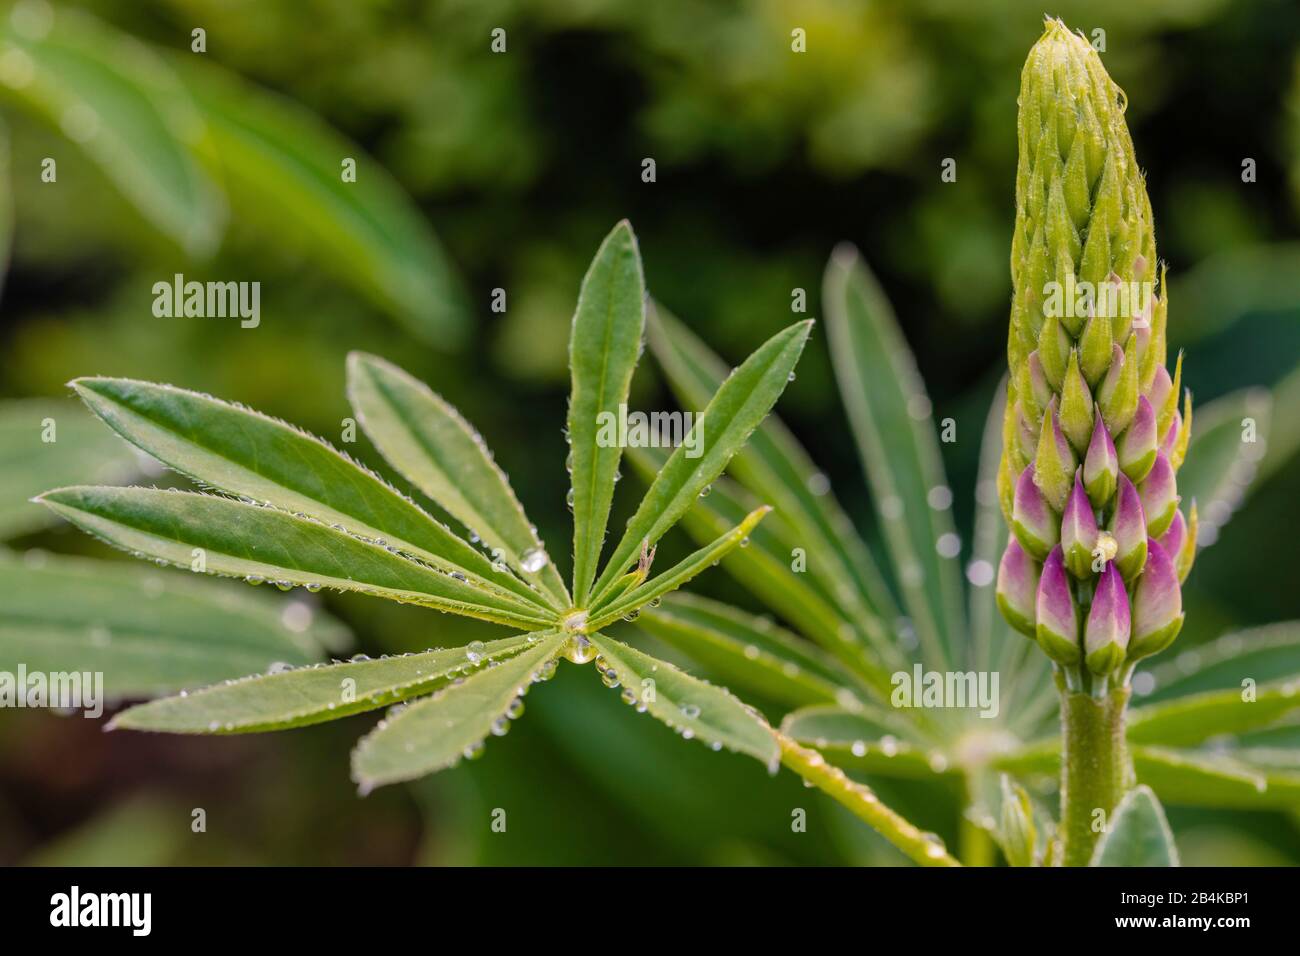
(1100, 466)
(1157, 605)
(1175, 536)
(1078, 532)
(1017, 588)
(1033, 522)
(1054, 462)
(1129, 528)
(1186, 555)
(1095, 348)
(1118, 395)
(1106, 633)
(1056, 614)
(1159, 493)
(1137, 446)
(1076, 407)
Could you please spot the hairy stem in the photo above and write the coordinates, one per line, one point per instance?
(863, 803)
(1095, 768)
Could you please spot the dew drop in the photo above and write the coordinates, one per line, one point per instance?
(533, 560)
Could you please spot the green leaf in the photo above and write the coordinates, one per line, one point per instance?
(1138, 834)
(680, 573)
(777, 469)
(29, 464)
(1262, 654)
(747, 651)
(282, 168)
(604, 346)
(427, 441)
(227, 537)
(119, 102)
(764, 567)
(737, 408)
(146, 631)
(437, 732)
(690, 706)
(889, 414)
(1191, 719)
(313, 695)
(1232, 778)
(1201, 778)
(865, 738)
(245, 453)
(1220, 465)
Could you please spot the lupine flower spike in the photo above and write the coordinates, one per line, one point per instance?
(1094, 434)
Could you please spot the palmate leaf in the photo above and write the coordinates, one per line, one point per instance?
(1137, 835)
(311, 695)
(148, 632)
(747, 651)
(739, 405)
(427, 441)
(281, 168)
(437, 732)
(890, 417)
(242, 452)
(690, 706)
(604, 346)
(679, 574)
(777, 469)
(123, 105)
(223, 536)
(81, 450)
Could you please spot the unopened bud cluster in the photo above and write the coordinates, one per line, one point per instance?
(1093, 435)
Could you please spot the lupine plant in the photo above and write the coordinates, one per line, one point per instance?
(1093, 435)
(1092, 571)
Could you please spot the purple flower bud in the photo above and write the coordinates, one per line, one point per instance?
(1032, 519)
(1078, 531)
(1017, 589)
(1159, 492)
(1157, 605)
(1106, 633)
(1137, 446)
(1056, 615)
(1128, 525)
(1100, 466)
(1161, 385)
(1175, 536)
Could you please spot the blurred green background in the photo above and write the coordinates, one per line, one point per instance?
(506, 171)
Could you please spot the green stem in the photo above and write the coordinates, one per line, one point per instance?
(863, 803)
(1095, 768)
